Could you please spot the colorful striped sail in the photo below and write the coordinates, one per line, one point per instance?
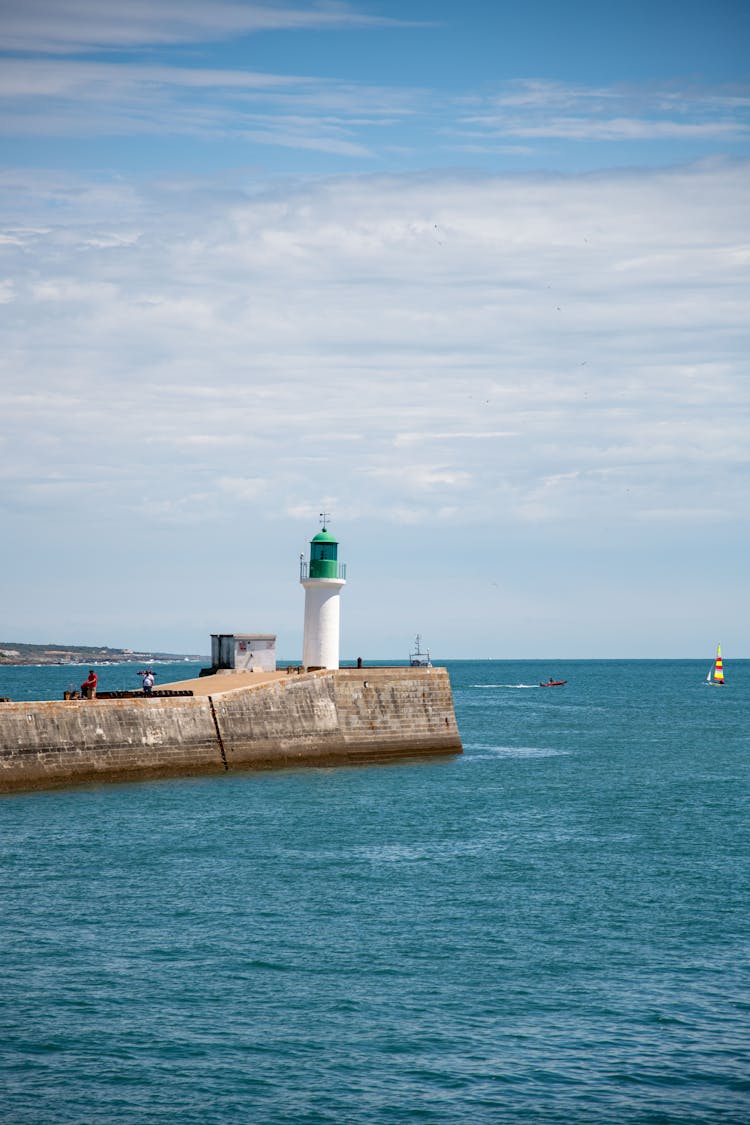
(718, 667)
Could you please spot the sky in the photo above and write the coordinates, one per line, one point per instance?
(470, 277)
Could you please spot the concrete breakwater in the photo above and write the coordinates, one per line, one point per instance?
(343, 716)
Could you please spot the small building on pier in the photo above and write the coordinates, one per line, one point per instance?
(243, 652)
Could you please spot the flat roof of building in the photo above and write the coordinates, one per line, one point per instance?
(248, 636)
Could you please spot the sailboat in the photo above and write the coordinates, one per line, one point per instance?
(716, 671)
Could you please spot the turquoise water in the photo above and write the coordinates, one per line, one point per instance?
(24, 682)
(553, 927)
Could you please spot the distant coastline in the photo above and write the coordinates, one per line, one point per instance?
(19, 652)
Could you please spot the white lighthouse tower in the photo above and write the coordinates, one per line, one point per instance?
(323, 580)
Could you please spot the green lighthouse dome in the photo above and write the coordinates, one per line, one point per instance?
(324, 536)
(324, 549)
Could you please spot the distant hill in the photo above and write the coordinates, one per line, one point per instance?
(18, 652)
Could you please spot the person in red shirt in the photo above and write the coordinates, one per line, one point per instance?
(88, 687)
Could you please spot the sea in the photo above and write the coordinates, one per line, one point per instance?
(553, 927)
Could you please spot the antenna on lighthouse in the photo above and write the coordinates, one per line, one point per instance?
(324, 518)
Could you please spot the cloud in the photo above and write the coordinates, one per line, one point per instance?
(457, 435)
(77, 98)
(354, 123)
(243, 488)
(58, 26)
(417, 477)
(69, 78)
(533, 109)
(618, 129)
(571, 350)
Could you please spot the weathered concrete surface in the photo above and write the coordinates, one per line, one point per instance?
(348, 715)
(58, 743)
(225, 680)
(351, 715)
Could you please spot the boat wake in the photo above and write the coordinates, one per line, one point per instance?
(511, 687)
(475, 751)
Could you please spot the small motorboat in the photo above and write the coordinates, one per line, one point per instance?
(553, 683)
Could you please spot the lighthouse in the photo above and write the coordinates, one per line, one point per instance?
(323, 579)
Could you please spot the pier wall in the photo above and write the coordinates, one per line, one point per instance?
(344, 716)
